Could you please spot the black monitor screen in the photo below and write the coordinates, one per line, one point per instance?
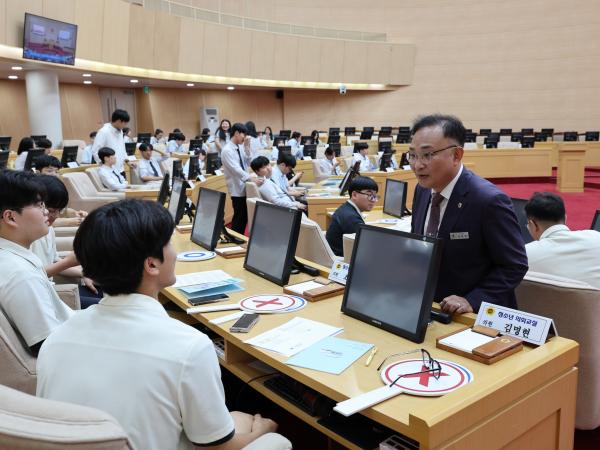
(49, 40)
(163, 193)
(385, 131)
(194, 167)
(310, 150)
(177, 200)
(337, 149)
(213, 162)
(570, 136)
(5, 142)
(385, 162)
(596, 221)
(333, 139)
(285, 133)
(272, 243)
(519, 207)
(4, 158)
(306, 140)
(366, 135)
(130, 148)
(278, 141)
(592, 135)
(69, 154)
(208, 221)
(348, 177)
(143, 138)
(32, 155)
(349, 131)
(177, 169)
(195, 145)
(527, 141)
(399, 304)
(394, 201)
(334, 130)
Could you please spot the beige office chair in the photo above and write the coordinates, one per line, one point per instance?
(312, 244)
(348, 246)
(83, 194)
(135, 176)
(95, 177)
(346, 163)
(252, 190)
(575, 307)
(251, 206)
(29, 422)
(166, 166)
(318, 172)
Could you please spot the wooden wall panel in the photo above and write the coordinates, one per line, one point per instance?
(402, 64)
(239, 53)
(263, 50)
(59, 10)
(191, 46)
(332, 61)
(166, 41)
(309, 50)
(15, 16)
(215, 47)
(80, 110)
(90, 29)
(355, 56)
(143, 111)
(378, 63)
(141, 37)
(3, 21)
(14, 119)
(286, 61)
(115, 32)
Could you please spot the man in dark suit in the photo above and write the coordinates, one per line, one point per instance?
(348, 217)
(483, 257)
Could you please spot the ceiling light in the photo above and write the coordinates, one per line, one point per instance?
(13, 77)
(16, 68)
(87, 82)
(190, 84)
(86, 75)
(134, 81)
(230, 88)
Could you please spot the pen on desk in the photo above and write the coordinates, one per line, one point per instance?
(370, 358)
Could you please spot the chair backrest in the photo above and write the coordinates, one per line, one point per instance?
(95, 177)
(135, 176)
(83, 194)
(167, 166)
(29, 422)
(319, 174)
(347, 162)
(348, 246)
(252, 190)
(251, 206)
(574, 307)
(312, 244)
(17, 364)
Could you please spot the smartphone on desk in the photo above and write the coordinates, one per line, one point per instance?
(244, 323)
(207, 299)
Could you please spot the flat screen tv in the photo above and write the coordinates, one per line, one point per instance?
(49, 40)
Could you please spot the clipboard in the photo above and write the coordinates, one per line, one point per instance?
(315, 293)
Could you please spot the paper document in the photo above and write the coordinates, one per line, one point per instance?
(466, 340)
(237, 248)
(293, 336)
(210, 276)
(300, 288)
(331, 355)
(366, 400)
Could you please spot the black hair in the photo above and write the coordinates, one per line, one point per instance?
(221, 133)
(329, 151)
(43, 161)
(19, 189)
(126, 130)
(120, 114)
(238, 127)
(157, 131)
(200, 151)
(143, 147)
(105, 152)
(270, 131)
(176, 130)
(259, 162)
(205, 130)
(57, 196)
(25, 145)
(93, 134)
(296, 135)
(44, 143)
(251, 129)
(178, 136)
(546, 207)
(452, 127)
(315, 135)
(138, 228)
(286, 159)
(362, 184)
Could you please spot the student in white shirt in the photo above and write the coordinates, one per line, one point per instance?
(157, 137)
(25, 145)
(294, 142)
(253, 140)
(110, 177)
(157, 376)
(201, 161)
(365, 162)
(315, 137)
(556, 249)
(148, 166)
(47, 165)
(111, 136)
(329, 164)
(46, 144)
(285, 165)
(267, 137)
(127, 135)
(27, 297)
(270, 190)
(223, 134)
(87, 157)
(176, 144)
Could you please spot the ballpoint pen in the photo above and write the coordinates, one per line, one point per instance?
(370, 358)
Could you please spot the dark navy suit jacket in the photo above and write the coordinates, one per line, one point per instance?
(492, 261)
(345, 220)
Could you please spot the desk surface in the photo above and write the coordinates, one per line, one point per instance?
(503, 393)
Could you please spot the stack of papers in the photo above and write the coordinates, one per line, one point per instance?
(200, 284)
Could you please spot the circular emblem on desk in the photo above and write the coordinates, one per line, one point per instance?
(275, 303)
(419, 382)
(195, 256)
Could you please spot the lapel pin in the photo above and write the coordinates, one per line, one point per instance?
(460, 205)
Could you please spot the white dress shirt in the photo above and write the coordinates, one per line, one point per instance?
(446, 193)
(111, 137)
(87, 155)
(326, 166)
(365, 162)
(27, 297)
(20, 161)
(157, 376)
(566, 253)
(111, 178)
(280, 178)
(172, 146)
(272, 192)
(297, 149)
(145, 168)
(45, 248)
(236, 174)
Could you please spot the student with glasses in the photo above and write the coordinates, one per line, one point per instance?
(348, 217)
(483, 256)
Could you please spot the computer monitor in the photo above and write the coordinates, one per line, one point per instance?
(403, 137)
(177, 169)
(5, 142)
(310, 150)
(4, 154)
(471, 137)
(592, 135)
(349, 131)
(596, 221)
(171, 137)
(285, 133)
(385, 132)
(527, 131)
(32, 155)
(278, 141)
(516, 137)
(38, 137)
(69, 154)
(369, 129)
(143, 138)
(385, 161)
(130, 148)
(208, 222)
(272, 243)
(384, 146)
(285, 149)
(548, 131)
(519, 207)
(358, 146)
(366, 134)
(394, 200)
(484, 131)
(570, 136)
(527, 141)
(194, 168)
(348, 177)
(491, 142)
(404, 160)
(334, 131)
(505, 131)
(163, 192)
(195, 145)
(333, 139)
(177, 200)
(306, 140)
(337, 149)
(403, 129)
(540, 137)
(375, 295)
(213, 162)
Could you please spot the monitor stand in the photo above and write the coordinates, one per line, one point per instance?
(228, 238)
(298, 267)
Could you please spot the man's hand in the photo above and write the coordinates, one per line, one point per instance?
(454, 304)
(81, 214)
(259, 181)
(89, 284)
(301, 206)
(263, 426)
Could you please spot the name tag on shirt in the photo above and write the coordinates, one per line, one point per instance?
(218, 172)
(72, 164)
(406, 167)
(131, 158)
(458, 236)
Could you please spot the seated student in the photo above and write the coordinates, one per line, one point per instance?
(348, 217)
(46, 144)
(176, 145)
(56, 200)
(315, 137)
(365, 162)
(87, 157)
(157, 137)
(556, 249)
(267, 137)
(270, 190)
(25, 145)
(149, 167)
(329, 164)
(253, 141)
(157, 376)
(201, 161)
(294, 142)
(109, 176)
(47, 165)
(285, 164)
(127, 135)
(27, 297)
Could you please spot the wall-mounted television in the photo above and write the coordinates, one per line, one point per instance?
(49, 40)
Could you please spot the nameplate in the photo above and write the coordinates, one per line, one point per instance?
(339, 272)
(459, 236)
(72, 164)
(191, 184)
(526, 326)
(406, 167)
(201, 178)
(131, 158)
(308, 158)
(218, 172)
(389, 169)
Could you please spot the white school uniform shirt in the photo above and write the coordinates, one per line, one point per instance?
(45, 248)
(111, 178)
(111, 137)
(173, 147)
(297, 149)
(145, 168)
(365, 162)
(256, 144)
(27, 297)
(274, 153)
(266, 141)
(157, 376)
(236, 174)
(153, 140)
(566, 253)
(20, 161)
(273, 193)
(446, 193)
(87, 155)
(327, 167)
(280, 179)
(127, 139)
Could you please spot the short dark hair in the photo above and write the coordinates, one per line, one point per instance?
(143, 147)
(178, 137)
(120, 114)
(296, 135)
(239, 127)
(93, 134)
(452, 127)
(157, 131)
(546, 207)
(362, 184)
(259, 162)
(43, 161)
(287, 159)
(105, 152)
(138, 228)
(251, 129)
(25, 145)
(329, 151)
(44, 143)
(19, 189)
(176, 130)
(57, 196)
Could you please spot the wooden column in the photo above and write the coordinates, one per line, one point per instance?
(571, 166)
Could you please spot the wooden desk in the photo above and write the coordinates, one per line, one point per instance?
(524, 401)
(306, 166)
(495, 163)
(571, 166)
(318, 206)
(147, 194)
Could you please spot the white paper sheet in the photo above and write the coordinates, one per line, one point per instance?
(190, 279)
(466, 340)
(366, 400)
(300, 288)
(237, 248)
